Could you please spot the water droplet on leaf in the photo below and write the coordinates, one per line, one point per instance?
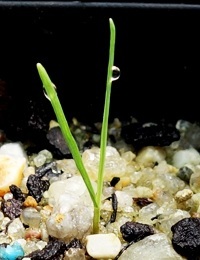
(115, 73)
(46, 93)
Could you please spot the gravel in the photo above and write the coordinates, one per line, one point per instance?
(151, 194)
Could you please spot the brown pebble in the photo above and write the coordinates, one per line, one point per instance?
(32, 234)
(30, 202)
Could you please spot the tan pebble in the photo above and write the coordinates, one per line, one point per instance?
(124, 182)
(30, 202)
(195, 215)
(13, 161)
(128, 156)
(11, 170)
(183, 195)
(32, 234)
(52, 124)
(47, 209)
(150, 155)
(173, 169)
(137, 166)
(28, 171)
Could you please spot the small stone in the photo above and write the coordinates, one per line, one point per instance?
(13, 149)
(154, 247)
(149, 134)
(115, 165)
(15, 229)
(57, 140)
(183, 195)
(31, 217)
(30, 202)
(72, 212)
(135, 231)
(150, 155)
(124, 182)
(39, 160)
(8, 196)
(12, 164)
(185, 173)
(106, 246)
(195, 181)
(186, 240)
(32, 233)
(12, 208)
(184, 157)
(47, 154)
(11, 252)
(74, 253)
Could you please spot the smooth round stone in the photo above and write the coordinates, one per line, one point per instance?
(31, 217)
(154, 247)
(103, 246)
(184, 157)
(115, 165)
(12, 164)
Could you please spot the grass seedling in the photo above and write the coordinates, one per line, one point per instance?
(71, 143)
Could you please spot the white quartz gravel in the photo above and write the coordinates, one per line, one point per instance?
(154, 247)
(103, 246)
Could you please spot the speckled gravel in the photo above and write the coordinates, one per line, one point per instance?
(151, 195)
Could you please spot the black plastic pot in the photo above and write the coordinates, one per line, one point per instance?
(157, 51)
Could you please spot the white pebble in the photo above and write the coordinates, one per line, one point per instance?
(154, 247)
(48, 155)
(16, 229)
(14, 150)
(1, 216)
(115, 165)
(39, 160)
(13, 161)
(8, 196)
(106, 246)
(124, 200)
(72, 204)
(188, 156)
(150, 155)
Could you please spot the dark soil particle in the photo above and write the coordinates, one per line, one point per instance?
(142, 202)
(75, 243)
(185, 173)
(17, 193)
(186, 238)
(45, 169)
(36, 186)
(54, 250)
(11, 208)
(152, 134)
(135, 231)
(114, 206)
(87, 145)
(114, 181)
(57, 140)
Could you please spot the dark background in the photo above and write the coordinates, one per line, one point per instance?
(157, 51)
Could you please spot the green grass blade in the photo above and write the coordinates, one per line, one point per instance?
(104, 131)
(52, 96)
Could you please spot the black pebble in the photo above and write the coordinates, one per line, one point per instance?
(186, 237)
(56, 139)
(151, 134)
(135, 231)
